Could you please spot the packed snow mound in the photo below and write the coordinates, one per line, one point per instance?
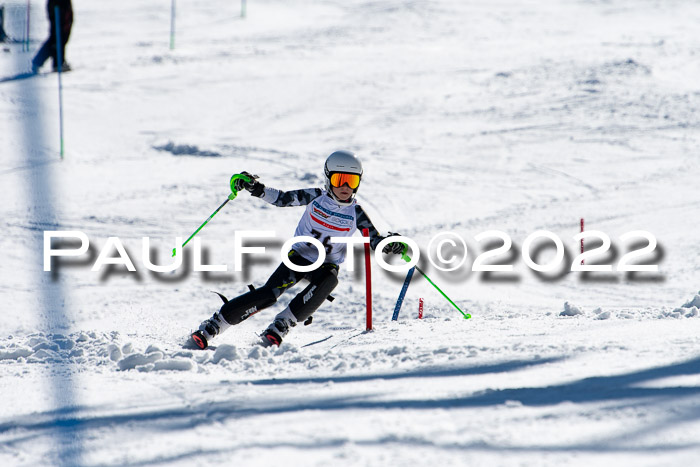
(571, 310)
(81, 348)
(90, 349)
(690, 309)
(600, 314)
(226, 352)
(694, 303)
(155, 361)
(343, 352)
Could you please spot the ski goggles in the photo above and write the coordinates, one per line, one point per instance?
(339, 179)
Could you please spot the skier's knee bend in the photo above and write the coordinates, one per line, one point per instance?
(246, 305)
(312, 297)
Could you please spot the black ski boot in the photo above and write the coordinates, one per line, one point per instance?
(200, 340)
(270, 338)
(276, 331)
(208, 329)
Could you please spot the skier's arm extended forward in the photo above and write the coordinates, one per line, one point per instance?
(277, 197)
(290, 198)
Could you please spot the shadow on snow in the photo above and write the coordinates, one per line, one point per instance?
(622, 388)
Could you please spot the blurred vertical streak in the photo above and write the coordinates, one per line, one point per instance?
(52, 317)
(172, 25)
(28, 30)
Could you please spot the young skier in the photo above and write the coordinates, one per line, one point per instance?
(330, 212)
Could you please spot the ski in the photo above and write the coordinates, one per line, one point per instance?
(317, 342)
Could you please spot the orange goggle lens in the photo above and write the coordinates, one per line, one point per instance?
(340, 179)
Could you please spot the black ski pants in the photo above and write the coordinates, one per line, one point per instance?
(65, 20)
(322, 281)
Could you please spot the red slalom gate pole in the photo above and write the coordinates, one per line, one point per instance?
(582, 239)
(368, 280)
(420, 308)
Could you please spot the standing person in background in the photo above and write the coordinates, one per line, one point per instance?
(65, 20)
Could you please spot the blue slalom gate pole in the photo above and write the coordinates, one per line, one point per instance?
(59, 58)
(402, 295)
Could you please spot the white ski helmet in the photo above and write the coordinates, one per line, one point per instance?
(342, 162)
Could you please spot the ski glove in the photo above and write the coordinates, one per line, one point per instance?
(393, 247)
(255, 187)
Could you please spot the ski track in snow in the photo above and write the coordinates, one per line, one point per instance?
(512, 116)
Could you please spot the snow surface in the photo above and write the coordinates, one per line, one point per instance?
(469, 117)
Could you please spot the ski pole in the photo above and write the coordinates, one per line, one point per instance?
(407, 258)
(231, 197)
(59, 60)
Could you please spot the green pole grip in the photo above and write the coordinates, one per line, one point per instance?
(232, 184)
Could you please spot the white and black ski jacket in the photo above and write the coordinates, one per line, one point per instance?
(323, 218)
